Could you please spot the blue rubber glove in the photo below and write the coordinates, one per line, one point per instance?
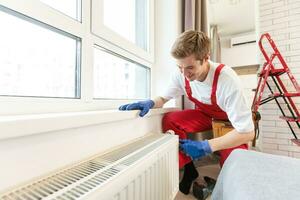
(195, 149)
(144, 106)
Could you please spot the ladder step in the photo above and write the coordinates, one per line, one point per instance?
(273, 72)
(287, 94)
(290, 119)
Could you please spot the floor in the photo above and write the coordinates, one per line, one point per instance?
(206, 167)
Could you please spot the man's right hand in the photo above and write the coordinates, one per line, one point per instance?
(143, 106)
(195, 149)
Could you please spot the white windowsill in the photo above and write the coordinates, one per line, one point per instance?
(22, 125)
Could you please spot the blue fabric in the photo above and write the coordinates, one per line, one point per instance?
(195, 149)
(143, 106)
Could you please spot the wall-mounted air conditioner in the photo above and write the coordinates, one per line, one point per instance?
(242, 40)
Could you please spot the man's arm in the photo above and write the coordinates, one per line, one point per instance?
(159, 102)
(198, 149)
(231, 139)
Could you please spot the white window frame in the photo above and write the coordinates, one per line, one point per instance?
(99, 29)
(45, 14)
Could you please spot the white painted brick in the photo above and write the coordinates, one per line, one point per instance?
(294, 11)
(284, 8)
(294, 66)
(286, 42)
(270, 112)
(295, 35)
(265, 2)
(296, 155)
(270, 117)
(295, 58)
(266, 23)
(277, 129)
(289, 148)
(281, 123)
(270, 146)
(276, 152)
(292, 1)
(271, 5)
(263, 13)
(267, 123)
(274, 27)
(275, 141)
(268, 135)
(280, 37)
(294, 23)
(295, 4)
(284, 136)
(292, 53)
(282, 20)
(270, 105)
(286, 30)
(273, 16)
(295, 46)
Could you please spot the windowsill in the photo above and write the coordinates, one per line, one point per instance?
(22, 125)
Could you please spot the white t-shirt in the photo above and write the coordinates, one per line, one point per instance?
(229, 94)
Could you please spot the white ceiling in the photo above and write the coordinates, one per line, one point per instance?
(232, 16)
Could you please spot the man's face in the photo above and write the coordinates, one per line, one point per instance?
(191, 68)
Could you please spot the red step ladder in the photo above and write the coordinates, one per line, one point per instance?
(270, 72)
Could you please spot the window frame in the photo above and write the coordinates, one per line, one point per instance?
(39, 11)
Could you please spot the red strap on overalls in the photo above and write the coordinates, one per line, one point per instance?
(215, 84)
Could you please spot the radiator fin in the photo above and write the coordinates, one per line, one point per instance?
(80, 180)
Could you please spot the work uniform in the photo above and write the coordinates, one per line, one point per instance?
(219, 96)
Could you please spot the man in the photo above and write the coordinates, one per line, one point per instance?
(217, 93)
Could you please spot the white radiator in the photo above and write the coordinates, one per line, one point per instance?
(143, 170)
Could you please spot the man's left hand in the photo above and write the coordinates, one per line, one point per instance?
(195, 149)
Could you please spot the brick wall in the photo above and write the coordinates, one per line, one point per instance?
(280, 18)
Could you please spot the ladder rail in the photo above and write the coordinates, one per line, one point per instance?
(260, 88)
(282, 112)
(288, 106)
(289, 98)
(261, 46)
(281, 59)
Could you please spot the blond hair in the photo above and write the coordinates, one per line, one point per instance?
(191, 42)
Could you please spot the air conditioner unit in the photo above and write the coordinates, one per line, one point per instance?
(242, 40)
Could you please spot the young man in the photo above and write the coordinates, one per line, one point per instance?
(217, 93)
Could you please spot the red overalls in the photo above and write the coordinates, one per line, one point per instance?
(200, 119)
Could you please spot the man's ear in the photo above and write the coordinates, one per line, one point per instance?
(207, 57)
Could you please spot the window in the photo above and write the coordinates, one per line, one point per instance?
(74, 55)
(36, 59)
(131, 23)
(71, 8)
(127, 24)
(119, 78)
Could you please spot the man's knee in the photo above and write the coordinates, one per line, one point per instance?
(170, 117)
(168, 120)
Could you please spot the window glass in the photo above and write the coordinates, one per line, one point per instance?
(36, 59)
(119, 78)
(128, 18)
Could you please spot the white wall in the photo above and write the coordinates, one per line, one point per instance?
(281, 19)
(27, 157)
(168, 27)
